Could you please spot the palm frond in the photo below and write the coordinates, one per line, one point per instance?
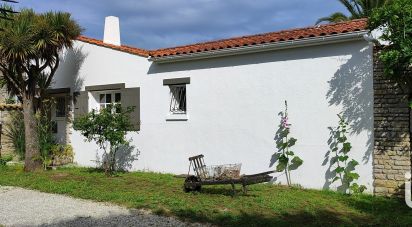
(356, 8)
(352, 7)
(334, 18)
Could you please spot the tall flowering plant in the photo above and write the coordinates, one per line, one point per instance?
(286, 158)
(344, 167)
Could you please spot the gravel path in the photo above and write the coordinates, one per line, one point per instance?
(21, 207)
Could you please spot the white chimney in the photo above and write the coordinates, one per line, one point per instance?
(112, 31)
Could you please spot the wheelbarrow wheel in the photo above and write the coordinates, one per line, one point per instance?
(191, 184)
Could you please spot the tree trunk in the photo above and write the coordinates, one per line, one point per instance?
(32, 160)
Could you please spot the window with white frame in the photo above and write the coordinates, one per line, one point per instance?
(178, 99)
(106, 98)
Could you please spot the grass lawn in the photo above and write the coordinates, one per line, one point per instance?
(264, 205)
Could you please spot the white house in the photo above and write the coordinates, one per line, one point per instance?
(222, 98)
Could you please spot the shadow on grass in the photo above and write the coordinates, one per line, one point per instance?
(136, 219)
(222, 190)
(101, 170)
(321, 217)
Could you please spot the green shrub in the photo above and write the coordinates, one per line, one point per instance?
(62, 154)
(108, 128)
(46, 139)
(5, 159)
(14, 131)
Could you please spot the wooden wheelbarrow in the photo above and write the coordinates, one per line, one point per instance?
(223, 174)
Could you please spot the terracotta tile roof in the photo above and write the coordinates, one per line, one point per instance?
(272, 37)
(9, 107)
(124, 48)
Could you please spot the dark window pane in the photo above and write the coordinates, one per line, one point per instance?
(60, 107)
(102, 96)
(117, 97)
(108, 98)
(54, 127)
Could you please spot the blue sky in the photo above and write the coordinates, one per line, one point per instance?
(154, 24)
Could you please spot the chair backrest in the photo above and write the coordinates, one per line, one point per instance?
(199, 166)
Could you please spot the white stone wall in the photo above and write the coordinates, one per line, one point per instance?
(233, 105)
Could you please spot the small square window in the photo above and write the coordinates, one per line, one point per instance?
(178, 99)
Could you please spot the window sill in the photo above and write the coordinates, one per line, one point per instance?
(177, 117)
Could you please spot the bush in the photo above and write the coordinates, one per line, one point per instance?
(14, 131)
(62, 154)
(5, 159)
(108, 129)
(46, 139)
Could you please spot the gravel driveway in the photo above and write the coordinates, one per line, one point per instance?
(21, 207)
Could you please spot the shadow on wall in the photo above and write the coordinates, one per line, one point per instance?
(69, 69)
(125, 156)
(352, 88)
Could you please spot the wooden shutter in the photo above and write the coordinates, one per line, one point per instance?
(81, 103)
(131, 97)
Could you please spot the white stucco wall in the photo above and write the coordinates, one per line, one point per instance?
(233, 105)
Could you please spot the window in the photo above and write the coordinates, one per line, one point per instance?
(177, 99)
(54, 127)
(60, 107)
(109, 98)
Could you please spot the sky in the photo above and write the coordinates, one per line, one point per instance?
(153, 24)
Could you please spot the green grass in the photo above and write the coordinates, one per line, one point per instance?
(265, 205)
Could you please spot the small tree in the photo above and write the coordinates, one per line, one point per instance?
(395, 20)
(108, 128)
(286, 158)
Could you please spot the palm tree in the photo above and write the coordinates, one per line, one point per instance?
(357, 9)
(5, 11)
(29, 57)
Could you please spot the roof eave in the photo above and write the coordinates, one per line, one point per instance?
(314, 41)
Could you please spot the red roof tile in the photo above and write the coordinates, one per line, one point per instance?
(272, 37)
(127, 49)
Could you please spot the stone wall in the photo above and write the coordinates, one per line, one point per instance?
(6, 144)
(392, 153)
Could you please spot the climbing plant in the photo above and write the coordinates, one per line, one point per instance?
(286, 158)
(343, 167)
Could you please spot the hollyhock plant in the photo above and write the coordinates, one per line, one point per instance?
(286, 158)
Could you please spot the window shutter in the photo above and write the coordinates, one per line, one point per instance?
(81, 103)
(131, 97)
